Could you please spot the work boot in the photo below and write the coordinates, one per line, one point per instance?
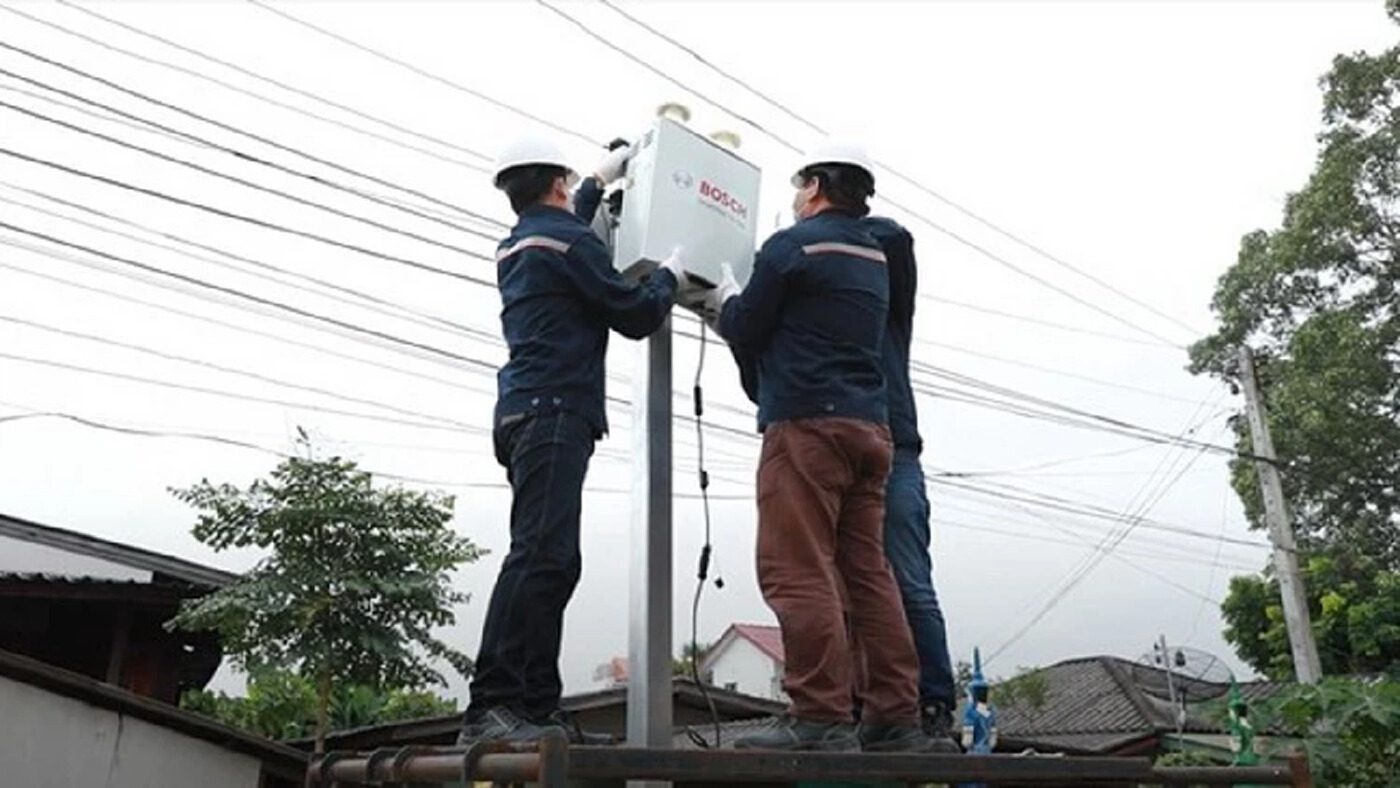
(937, 722)
(791, 733)
(499, 724)
(577, 735)
(895, 738)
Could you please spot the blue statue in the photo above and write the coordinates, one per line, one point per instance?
(979, 730)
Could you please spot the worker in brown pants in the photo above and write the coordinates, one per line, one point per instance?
(806, 332)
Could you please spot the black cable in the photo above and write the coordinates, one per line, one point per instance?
(371, 303)
(45, 362)
(228, 370)
(703, 573)
(280, 338)
(1052, 371)
(1051, 324)
(728, 75)
(242, 181)
(151, 126)
(422, 72)
(274, 82)
(300, 110)
(251, 136)
(253, 220)
(257, 299)
(474, 364)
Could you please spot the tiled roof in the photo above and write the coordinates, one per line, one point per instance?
(1099, 704)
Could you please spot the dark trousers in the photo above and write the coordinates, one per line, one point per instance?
(907, 548)
(546, 457)
(821, 512)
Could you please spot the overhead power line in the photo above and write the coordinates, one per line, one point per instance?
(258, 138)
(388, 228)
(252, 220)
(221, 393)
(241, 264)
(1052, 371)
(728, 74)
(265, 302)
(453, 84)
(300, 110)
(306, 94)
(1050, 324)
(243, 373)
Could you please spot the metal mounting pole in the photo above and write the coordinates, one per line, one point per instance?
(649, 628)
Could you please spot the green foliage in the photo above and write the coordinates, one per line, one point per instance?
(1351, 728)
(355, 579)
(684, 664)
(1027, 687)
(1355, 614)
(1187, 759)
(282, 705)
(1317, 298)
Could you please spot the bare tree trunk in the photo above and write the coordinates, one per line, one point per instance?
(323, 704)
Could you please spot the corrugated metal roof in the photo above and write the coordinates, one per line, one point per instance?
(136, 557)
(283, 759)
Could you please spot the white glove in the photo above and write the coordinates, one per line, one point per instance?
(676, 266)
(689, 293)
(614, 165)
(716, 296)
(728, 286)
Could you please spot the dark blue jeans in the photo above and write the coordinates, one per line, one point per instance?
(546, 457)
(907, 549)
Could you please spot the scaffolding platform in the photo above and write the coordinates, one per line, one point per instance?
(555, 764)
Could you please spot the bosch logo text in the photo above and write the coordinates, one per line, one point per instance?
(724, 199)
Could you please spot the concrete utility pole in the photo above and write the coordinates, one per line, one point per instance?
(1295, 599)
(649, 622)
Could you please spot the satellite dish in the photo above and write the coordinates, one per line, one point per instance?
(1182, 675)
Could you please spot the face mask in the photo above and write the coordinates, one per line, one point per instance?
(803, 196)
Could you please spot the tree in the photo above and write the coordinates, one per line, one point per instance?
(280, 704)
(1350, 728)
(1356, 617)
(684, 665)
(1317, 299)
(355, 580)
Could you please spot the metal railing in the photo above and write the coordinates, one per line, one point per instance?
(553, 763)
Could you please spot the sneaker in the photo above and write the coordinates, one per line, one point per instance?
(577, 735)
(937, 722)
(498, 724)
(895, 738)
(791, 733)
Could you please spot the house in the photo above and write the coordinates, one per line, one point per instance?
(602, 711)
(61, 728)
(98, 608)
(747, 658)
(1105, 705)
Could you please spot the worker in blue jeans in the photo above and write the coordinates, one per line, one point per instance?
(907, 537)
(560, 298)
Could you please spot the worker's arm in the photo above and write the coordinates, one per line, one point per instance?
(631, 309)
(748, 318)
(587, 197)
(904, 279)
(747, 359)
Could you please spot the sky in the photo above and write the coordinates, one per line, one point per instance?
(1127, 146)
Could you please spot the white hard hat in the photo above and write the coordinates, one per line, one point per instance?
(530, 150)
(836, 152)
